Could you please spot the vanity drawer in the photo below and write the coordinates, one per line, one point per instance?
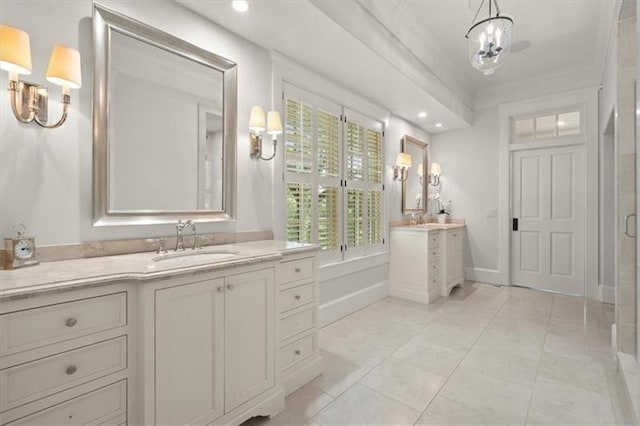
(434, 253)
(296, 351)
(97, 407)
(37, 327)
(34, 380)
(296, 270)
(434, 270)
(297, 323)
(294, 297)
(434, 239)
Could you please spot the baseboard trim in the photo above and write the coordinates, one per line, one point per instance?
(340, 308)
(608, 294)
(416, 296)
(489, 276)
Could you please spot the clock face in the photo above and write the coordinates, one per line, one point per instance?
(23, 249)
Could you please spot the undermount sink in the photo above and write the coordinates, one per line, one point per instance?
(200, 255)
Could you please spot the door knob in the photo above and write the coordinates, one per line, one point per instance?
(71, 369)
(230, 287)
(70, 322)
(220, 289)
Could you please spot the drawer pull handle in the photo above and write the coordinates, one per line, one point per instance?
(230, 287)
(298, 269)
(298, 297)
(220, 289)
(71, 369)
(297, 352)
(70, 322)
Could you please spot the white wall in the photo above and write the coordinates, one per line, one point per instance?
(46, 175)
(469, 160)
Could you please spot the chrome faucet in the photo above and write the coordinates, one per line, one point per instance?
(180, 227)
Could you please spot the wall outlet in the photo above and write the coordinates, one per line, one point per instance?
(492, 213)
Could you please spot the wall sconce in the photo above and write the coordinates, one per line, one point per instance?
(434, 175)
(29, 101)
(403, 163)
(257, 125)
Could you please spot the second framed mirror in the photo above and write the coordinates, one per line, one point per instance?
(416, 186)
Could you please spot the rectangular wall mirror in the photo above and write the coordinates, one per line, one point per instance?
(416, 186)
(164, 126)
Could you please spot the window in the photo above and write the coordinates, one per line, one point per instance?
(546, 126)
(333, 176)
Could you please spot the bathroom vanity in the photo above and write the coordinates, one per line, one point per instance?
(427, 261)
(217, 335)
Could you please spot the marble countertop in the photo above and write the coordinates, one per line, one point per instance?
(428, 227)
(50, 276)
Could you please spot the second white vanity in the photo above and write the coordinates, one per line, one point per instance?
(182, 340)
(427, 261)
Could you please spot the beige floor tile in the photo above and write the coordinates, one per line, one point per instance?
(557, 403)
(571, 371)
(449, 336)
(443, 411)
(361, 347)
(531, 330)
(502, 365)
(564, 346)
(404, 382)
(436, 359)
(591, 336)
(534, 313)
(362, 406)
(502, 400)
(339, 374)
(511, 343)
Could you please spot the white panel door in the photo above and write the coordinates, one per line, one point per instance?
(548, 202)
(249, 336)
(189, 353)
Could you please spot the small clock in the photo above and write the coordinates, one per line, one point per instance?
(20, 251)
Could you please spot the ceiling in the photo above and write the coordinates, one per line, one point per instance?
(410, 56)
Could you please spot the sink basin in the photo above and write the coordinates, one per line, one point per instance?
(204, 256)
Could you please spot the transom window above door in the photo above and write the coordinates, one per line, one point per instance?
(546, 126)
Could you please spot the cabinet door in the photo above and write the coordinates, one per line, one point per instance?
(249, 336)
(189, 353)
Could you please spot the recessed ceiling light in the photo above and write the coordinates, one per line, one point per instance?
(422, 114)
(240, 5)
(438, 125)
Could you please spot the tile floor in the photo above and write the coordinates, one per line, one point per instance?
(485, 355)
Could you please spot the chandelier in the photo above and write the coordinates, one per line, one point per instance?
(489, 39)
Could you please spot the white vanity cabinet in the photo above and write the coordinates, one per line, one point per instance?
(65, 358)
(426, 261)
(214, 346)
(454, 259)
(299, 357)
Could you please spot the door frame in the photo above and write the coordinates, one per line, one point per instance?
(587, 101)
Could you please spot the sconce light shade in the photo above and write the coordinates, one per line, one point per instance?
(420, 170)
(403, 160)
(15, 50)
(274, 125)
(436, 169)
(64, 67)
(256, 119)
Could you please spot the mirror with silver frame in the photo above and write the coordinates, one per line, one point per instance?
(416, 186)
(164, 126)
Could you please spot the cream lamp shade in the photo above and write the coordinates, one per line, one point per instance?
(403, 160)
(64, 67)
(256, 119)
(274, 125)
(15, 50)
(420, 170)
(436, 169)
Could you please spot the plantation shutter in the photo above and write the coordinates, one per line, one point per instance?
(334, 175)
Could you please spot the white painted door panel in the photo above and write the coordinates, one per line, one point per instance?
(189, 353)
(547, 250)
(249, 336)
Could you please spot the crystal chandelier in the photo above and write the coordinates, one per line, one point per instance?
(489, 39)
